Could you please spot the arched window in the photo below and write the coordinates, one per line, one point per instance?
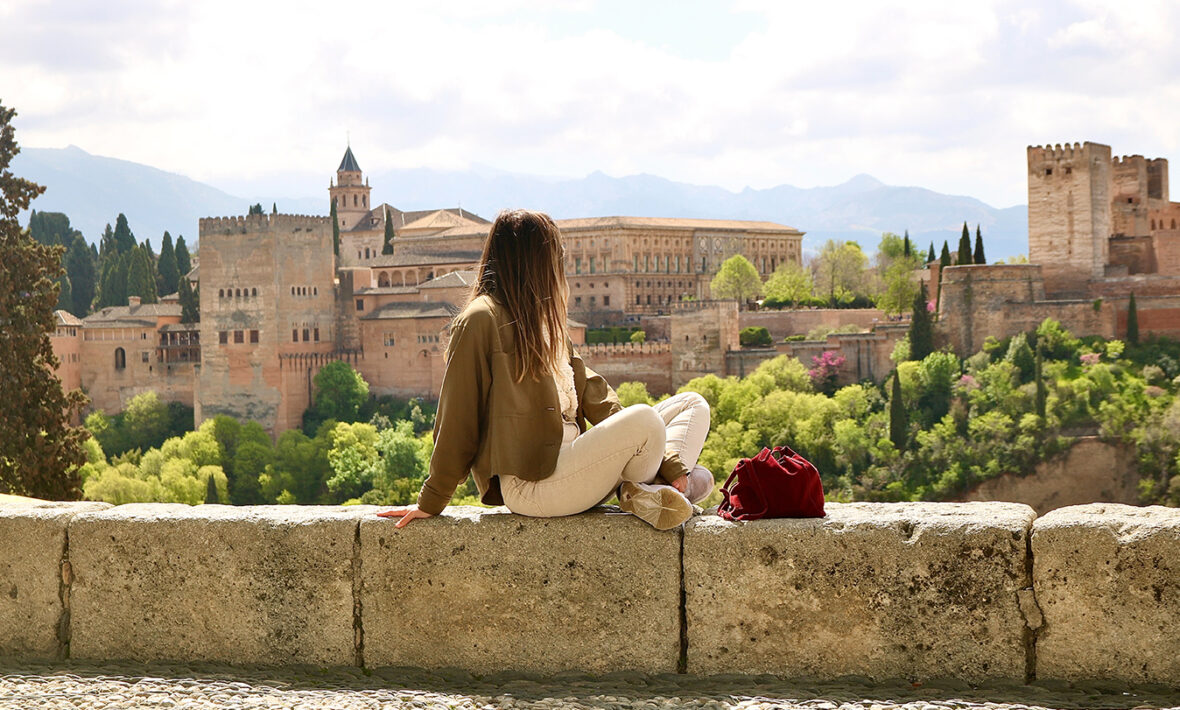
(221, 293)
(366, 252)
(254, 293)
(354, 201)
(364, 200)
(1153, 224)
(1173, 224)
(315, 291)
(120, 358)
(383, 279)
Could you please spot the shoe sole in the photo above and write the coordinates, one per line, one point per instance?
(663, 508)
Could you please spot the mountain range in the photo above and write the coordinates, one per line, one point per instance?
(92, 190)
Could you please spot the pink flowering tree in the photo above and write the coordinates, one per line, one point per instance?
(825, 370)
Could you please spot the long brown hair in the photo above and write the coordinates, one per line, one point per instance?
(522, 268)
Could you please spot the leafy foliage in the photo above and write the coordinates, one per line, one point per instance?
(840, 271)
(755, 336)
(39, 450)
(790, 283)
(737, 280)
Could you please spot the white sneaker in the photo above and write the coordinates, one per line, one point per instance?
(700, 484)
(662, 507)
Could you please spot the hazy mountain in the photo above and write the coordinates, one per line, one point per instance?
(92, 190)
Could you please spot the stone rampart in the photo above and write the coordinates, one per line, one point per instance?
(972, 591)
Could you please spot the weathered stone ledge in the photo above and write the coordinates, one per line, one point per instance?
(972, 591)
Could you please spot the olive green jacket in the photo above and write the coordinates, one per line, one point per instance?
(489, 425)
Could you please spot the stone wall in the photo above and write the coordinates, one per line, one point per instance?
(649, 363)
(800, 322)
(974, 591)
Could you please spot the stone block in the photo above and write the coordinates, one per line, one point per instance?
(263, 585)
(1107, 579)
(485, 590)
(906, 590)
(34, 572)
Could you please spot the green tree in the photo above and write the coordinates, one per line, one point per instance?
(274, 208)
(896, 263)
(335, 230)
(190, 310)
(737, 280)
(184, 260)
(840, 271)
(1039, 376)
(387, 248)
(930, 257)
(339, 392)
(964, 255)
(790, 283)
(633, 393)
(755, 336)
(65, 297)
(124, 239)
(979, 256)
(141, 278)
(255, 208)
(908, 247)
(80, 266)
(898, 423)
(638, 337)
(1132, 321)
(921, 326)
(944, 259)
(50, 228)
(39, 451)
(146, 421)
(211, 495)
(107, 244)
(166, 268)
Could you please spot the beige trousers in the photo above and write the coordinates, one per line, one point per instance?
(628, 446)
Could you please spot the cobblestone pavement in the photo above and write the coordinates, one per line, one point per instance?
(70, 685)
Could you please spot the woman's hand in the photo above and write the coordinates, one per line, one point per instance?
(405, 514)
(681, 484)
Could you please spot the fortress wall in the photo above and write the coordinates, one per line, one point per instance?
(649, 363)
(880, 590)
(800, 322)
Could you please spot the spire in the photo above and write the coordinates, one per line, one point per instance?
(349, 163)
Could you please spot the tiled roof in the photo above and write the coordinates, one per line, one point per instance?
(588, 223)
(375, 218)
(349, 163)
(67, 318)
(413, 309)
(145, 313)
(455, 279)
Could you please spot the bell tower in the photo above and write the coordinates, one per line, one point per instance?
(350, 192)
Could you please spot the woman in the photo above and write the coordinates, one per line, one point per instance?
(516, 401)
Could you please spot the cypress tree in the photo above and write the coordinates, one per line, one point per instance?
(1132, 322)
(930, 256)
(979, 257)
(274, 208)
(944, 259)
(964, 255)
(83, 272)
(255, 208)
(184, 262)
(211, 491)
(169, 273)
(335, 231)
(1040, 381)
(921, 326)
(388, 246)
(65, 296)
(906, 248)
(107, 242)
(897, 415)
(124, 239)
(190, 311)
(140, 279)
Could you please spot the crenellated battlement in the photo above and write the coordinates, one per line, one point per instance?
(1055, 152)
(600, 350)
(245, 224)
(1122, 161)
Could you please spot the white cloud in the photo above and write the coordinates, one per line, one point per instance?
(945, 95)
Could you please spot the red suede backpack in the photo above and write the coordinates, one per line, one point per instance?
(773, 484)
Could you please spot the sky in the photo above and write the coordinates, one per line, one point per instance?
(255, 97)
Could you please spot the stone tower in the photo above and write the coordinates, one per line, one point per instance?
(350, 192)
(1069, 213)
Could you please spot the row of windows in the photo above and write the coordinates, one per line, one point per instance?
(593, 301)
(427, 338)
(239, 336)
(305, 290)
(662, 284)
(312, 333)
(237, 293)
(113, 334)
(1162, 224)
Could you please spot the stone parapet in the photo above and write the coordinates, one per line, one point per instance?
(1107, 579)
(35, 577)
(266, 585)
(488, 591)
(904, 590)
(973, 591)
